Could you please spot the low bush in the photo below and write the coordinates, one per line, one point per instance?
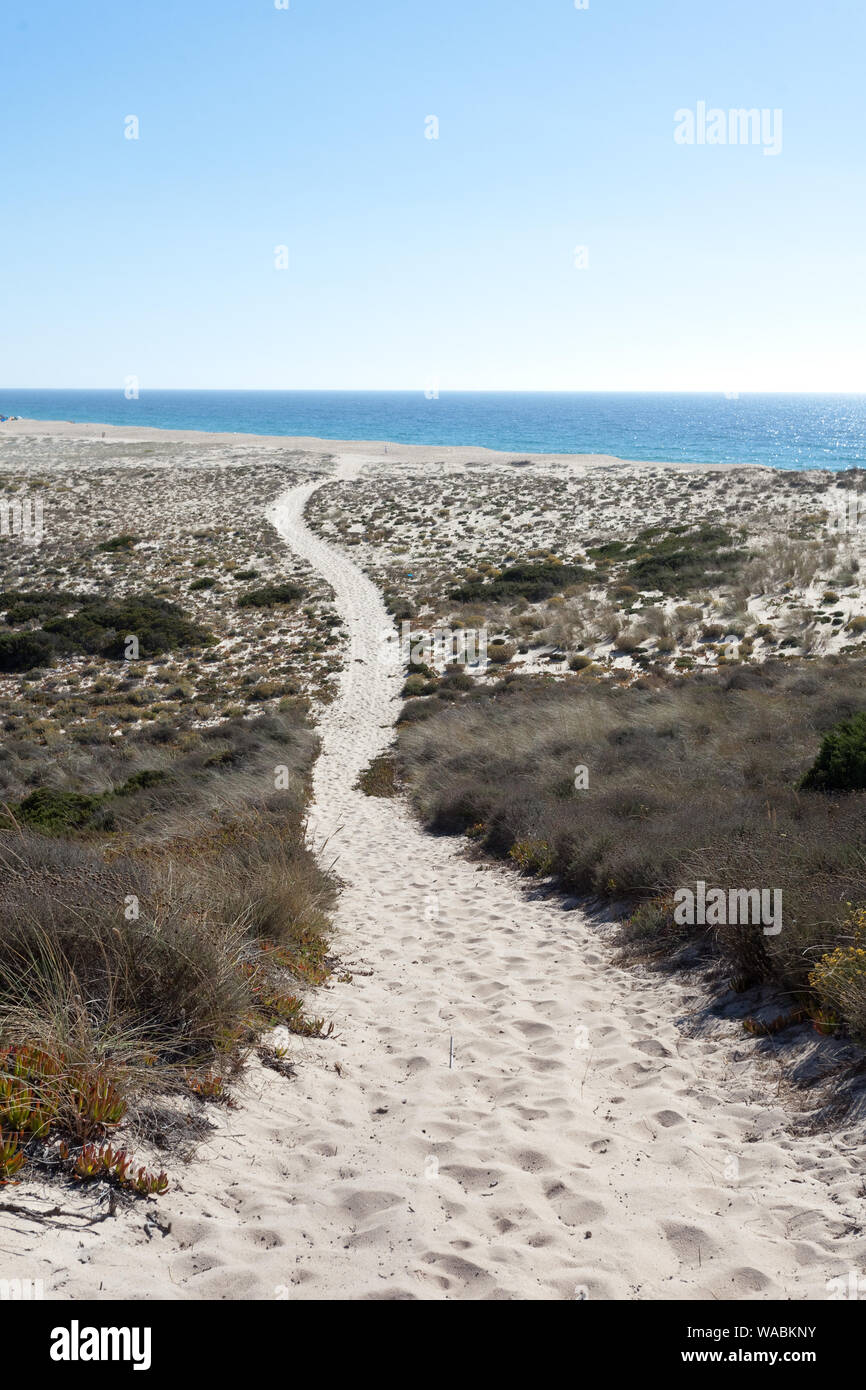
(400, 608)
(102, 628)
(124, 542)
(98, 626)
(23, 606)
(532, 581)
(25, 651)
(839, 979)
(379, 779)
(418, 685)
(52, 810)
(841, 762)
(676, 561)
(271, 596)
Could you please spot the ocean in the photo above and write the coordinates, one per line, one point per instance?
(784, 431)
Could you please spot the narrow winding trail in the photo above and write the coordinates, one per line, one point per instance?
(582, 1144)
(359, 723)
(586, 1142)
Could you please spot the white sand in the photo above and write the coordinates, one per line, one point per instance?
(584, 1144)
(380, 451)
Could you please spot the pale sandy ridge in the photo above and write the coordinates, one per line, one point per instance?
(585, 1143)
(383, 451)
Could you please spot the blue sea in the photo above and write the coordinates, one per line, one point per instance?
(785, 431)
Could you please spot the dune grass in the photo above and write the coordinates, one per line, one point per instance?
(146, 950)
(158, 906)
(685, 779)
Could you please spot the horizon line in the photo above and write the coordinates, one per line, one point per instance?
(456, 391)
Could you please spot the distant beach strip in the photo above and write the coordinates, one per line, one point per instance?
(779, 431)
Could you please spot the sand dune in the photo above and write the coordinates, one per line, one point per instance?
(587, 1142)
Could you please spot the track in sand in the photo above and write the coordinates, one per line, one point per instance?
(588, 1142)
(583, 1144)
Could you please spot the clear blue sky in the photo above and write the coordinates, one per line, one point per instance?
(415, 260)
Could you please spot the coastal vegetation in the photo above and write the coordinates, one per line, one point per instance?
(664, 701)
(271, 596)
(73, 624)
(152, 928)
(530, 580)
(160, 912)
(620, 570)
(673, 691)
(748, 776)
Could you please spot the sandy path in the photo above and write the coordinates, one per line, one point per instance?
(581, 1144)
(584, 1144)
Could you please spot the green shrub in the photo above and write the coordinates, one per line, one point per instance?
(23, 651)
(457, 679)
(532, 856)
(98, 626)
(101, 627)
(608, 551)
(22, 606)
(124, 542)
(839, 979)
(650, 921)
(418, 685)
(51, 810)
(149, 777)
(270, 596)
(841, 762)
(525, 580)
(54, 810)
(675, 563)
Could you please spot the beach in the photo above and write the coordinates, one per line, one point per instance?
(380, 449)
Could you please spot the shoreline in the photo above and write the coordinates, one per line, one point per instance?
(394, 452)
